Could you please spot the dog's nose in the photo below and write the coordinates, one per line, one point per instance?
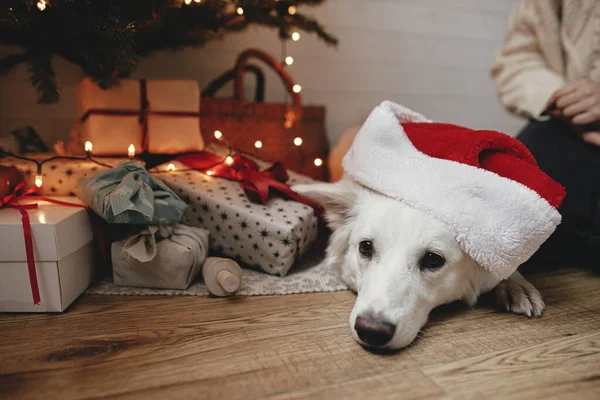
(373, 329)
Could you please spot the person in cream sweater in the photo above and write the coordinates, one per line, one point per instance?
(548, 71)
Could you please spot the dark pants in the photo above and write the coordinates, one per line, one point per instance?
(576, 165)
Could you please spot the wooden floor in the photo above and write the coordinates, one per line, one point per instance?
(299, 346)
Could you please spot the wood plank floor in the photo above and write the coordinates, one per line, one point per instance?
(299, 346)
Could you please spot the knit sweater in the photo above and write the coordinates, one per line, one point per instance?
(548, 43)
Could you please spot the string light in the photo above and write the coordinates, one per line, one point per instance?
(229, 160)
(209, 173)
(38, 181)
(187, 2)
(297, 88)
(131, 151)
(171, 167)
(318, 162)
(292, 10)
(295, 36)
(41, 5)
(298, 141)
(218, 135)
(42, 218)
(289, 60)
(198, 1)
(88, 148)
(240, 11)
(258, 144)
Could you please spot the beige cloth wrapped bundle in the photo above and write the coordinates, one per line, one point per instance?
(157, 116)
(167, 257)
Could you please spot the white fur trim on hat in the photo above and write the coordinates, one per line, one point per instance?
(499, 222)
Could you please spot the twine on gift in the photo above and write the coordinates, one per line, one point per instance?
(256, 184)
(20, 192)
(143, 113)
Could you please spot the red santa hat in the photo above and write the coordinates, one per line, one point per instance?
(484, 185)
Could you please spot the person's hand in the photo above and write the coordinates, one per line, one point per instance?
(578, 102)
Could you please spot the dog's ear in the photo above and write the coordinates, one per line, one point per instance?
(337, 199)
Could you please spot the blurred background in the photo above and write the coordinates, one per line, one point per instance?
(430, 55)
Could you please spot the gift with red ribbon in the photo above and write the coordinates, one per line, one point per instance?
(25, 200)
(248, 207)
(156, 116)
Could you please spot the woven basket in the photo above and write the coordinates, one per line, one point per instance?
(275, 125)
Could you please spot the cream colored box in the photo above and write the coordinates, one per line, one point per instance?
(63, 252)
(111, 135)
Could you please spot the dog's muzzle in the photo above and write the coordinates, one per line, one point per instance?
(374, 330)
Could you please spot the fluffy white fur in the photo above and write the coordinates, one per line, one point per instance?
(391, 283)
(499, 222)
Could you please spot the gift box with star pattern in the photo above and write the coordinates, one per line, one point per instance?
(59, 177)
(270, 237)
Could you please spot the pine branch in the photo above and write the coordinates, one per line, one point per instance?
(42, 77)
(9, 62)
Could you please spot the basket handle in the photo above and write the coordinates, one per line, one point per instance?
(239, 93)
(218, 83)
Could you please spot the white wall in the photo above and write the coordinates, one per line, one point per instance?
(430, 55)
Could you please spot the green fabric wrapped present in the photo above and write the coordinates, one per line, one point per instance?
(128, 194)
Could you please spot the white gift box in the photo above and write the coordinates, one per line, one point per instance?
(63, 252)
(110, 119)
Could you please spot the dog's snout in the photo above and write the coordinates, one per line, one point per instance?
(373, 329)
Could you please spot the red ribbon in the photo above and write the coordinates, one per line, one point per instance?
(12, 200)
(256, 184)
(143, 114)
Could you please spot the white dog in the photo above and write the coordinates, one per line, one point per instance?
(402, 263)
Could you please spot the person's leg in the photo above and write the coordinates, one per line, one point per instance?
(576, 165)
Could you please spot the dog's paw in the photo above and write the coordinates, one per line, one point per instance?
(517, 295)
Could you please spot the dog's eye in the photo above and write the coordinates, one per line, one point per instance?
(431, 261)
(366, 248)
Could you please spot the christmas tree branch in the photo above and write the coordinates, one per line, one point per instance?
(42, 77)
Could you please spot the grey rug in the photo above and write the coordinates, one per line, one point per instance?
(310, 275)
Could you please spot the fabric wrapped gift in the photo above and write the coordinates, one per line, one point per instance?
(166, 257)
(269, 237)
(156, 116)
(128, 194)
(59, 177)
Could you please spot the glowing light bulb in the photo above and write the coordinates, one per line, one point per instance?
(171, 167)
(218, 135)
(198, 1)
(292, 10)
(240, 11)
(318, 162)
(289, 60)
(41, 5)
(298, 141)
(297, 88)
(209, 173)
(258, 144)
(131, 151)
(229, 160)
(88, 147)
(38, 181)
(295, 36)
(187, 2)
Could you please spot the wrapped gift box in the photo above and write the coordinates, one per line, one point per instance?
(270, 237)
(165, 257)
(63, 252)
(59, 177)
(113, 119)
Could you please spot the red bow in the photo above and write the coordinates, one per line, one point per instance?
(256, 184)
(12, 200)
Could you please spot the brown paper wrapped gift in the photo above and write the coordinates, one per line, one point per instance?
(156, 116)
